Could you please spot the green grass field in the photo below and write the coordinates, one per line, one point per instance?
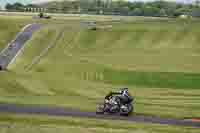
(156, 59)
(43, 124)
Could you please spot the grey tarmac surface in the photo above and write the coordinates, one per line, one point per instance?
(10, 53)
(60, 111)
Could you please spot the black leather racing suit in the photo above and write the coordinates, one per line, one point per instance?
(124, 98)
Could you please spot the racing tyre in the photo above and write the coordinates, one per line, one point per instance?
(100, 109)
(126, 110)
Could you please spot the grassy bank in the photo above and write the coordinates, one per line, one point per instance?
(156, 59)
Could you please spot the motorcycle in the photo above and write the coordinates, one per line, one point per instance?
(114, 106)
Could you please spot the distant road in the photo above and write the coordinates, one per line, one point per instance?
(9, 54)
(16, 13)
(85, 16)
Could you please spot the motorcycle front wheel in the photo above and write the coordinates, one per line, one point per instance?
(100, 109)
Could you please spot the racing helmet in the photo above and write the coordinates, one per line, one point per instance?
(124, 91)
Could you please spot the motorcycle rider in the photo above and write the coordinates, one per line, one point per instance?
(123, 95)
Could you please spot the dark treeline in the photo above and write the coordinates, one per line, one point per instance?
(19, 7)
(109, 7)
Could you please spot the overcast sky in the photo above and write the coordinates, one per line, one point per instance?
(3, 2)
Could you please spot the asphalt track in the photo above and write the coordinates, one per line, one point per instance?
(59, 111)
(10, 53)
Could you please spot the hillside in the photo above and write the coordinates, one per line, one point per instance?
(156, 59)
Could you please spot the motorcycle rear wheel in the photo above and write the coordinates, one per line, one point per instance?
(127, 112)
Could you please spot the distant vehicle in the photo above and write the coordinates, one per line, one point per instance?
(1, 68)
(10, 46)
(114, 104)
(90, 25)
(42, 15)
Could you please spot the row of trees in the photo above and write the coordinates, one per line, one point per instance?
(120, 7)
(155, 8)
(19, 7)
